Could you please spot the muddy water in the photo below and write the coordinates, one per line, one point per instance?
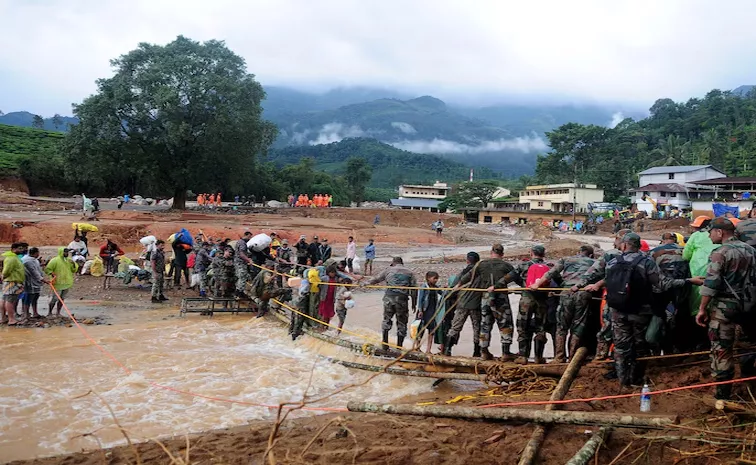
(45, 372)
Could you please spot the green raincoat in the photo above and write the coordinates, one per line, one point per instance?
(697, 251)
(13, 268)
(63, 269)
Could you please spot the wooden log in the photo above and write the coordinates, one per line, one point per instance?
(732, 407)
(520, 415)
(528, 455)
(591, 446)
(470, 365)
(417, 373)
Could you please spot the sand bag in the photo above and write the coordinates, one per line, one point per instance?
(148, 240)
(98, 268)
(172, 238)
(84, 227)
(259, 242)
(415, 328)
(184, 237)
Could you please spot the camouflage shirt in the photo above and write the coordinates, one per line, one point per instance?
(746, 231)
(669, 258)
(597, 272)
(397, 275)
(158, 259)
(729, 268)
(570, 270)
(241, 253)
(487, 273)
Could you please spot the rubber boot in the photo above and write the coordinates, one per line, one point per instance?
(449, 344)
(638, 373)
(476, 350)
(559, 356)
(399, 341)
(539, 344)
(485, 354)
(724, 391)
(574, 345)
(385, 340)
(506, 355)
(203, 294)
(602, 351)
(163, 298)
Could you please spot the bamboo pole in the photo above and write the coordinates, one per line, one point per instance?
(528, 455)
(417, 373)
(520, 415)
(591, 446)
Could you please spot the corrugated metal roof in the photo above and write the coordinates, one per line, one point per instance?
(670, 187)
(674, 169)
(725, 180)
(417, 203)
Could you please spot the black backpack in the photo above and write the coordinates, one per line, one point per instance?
(626, 289)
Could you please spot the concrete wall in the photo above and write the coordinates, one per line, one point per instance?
(497, 216)
(680, 178)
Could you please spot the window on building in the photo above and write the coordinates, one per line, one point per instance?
(646, 193)
(673, 194)
(488, 219)
(671, 175)
(540, 204)
(662, 194)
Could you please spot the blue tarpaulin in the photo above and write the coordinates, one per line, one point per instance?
(721, 209)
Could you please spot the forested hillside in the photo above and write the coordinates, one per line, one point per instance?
(719, 129)
(391, 166)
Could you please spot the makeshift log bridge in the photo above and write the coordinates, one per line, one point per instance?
(210, 305)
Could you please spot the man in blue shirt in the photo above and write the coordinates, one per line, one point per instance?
(369, 257)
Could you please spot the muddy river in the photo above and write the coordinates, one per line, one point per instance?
(56, 384)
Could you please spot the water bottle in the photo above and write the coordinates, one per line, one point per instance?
(645, 403)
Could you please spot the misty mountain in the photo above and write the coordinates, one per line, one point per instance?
(284, 100)
(742, 90)
(25, 119)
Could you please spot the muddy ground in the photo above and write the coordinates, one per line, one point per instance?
(381, 439)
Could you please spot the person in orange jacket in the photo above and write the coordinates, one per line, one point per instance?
(218, 199)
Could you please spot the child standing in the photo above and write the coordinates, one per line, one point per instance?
(428, 300)
(342, 295)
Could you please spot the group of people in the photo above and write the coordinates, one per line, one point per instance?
(317, 201)
(25, 275)
(209, 200)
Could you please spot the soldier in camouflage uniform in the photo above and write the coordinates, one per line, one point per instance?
(572, 312)
(630, 328)
(202, 266)
(746, 229)
(465, 306)
(157, 258)
(494, 306)
(224, 273)
(396, 301)
(284, 257)
(533, 306)
(592, 276)
(669, 257)
(242, 262)
(730, 271)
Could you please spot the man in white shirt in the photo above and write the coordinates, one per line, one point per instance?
(351, 253)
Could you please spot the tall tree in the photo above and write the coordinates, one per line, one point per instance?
(174, 117)
(56, 121)
(470, 195)
(358, 174)
(38, 122)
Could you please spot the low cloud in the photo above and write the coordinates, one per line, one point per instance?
(404, 127)
(334, 132)
(617, 118)
(527, 144)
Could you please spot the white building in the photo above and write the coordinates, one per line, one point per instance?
(438, 191)
(561, 197)
(674, 185)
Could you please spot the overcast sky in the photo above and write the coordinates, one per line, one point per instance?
(599, 51)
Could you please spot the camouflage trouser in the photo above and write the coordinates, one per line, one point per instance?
(204, 279)
(460, 316)
(396, 305)
(572, 313)
(531, 306)
(606, 333)
(313, 306)
(242, 276)
(629, 344)
(158, 280)
(500, 312)
(724, 318)
(297, 320)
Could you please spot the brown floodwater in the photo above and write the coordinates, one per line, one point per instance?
(56, 384)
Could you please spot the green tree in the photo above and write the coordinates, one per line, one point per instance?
(56, 121)
(38, 122)
(358, 174)
(182, 116)
(470, 195)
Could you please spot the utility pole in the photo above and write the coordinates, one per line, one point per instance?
(574, 195)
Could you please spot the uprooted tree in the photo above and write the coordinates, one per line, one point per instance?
(182, 116)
